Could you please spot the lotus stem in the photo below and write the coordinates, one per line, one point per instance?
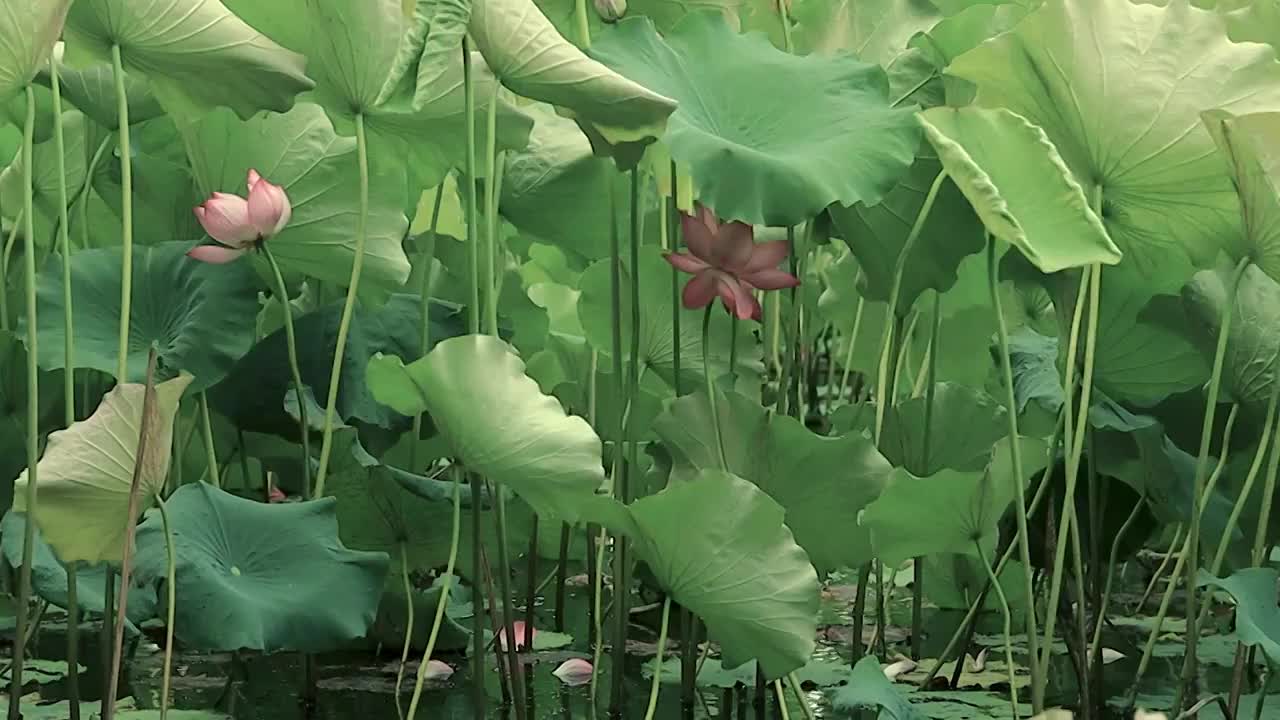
(1202, 467)
(657, 660)
(580, 19)
(210, 453)
(1096, 644)
(73, 642)
(304, 428)
(126, 558)
(710, 387)
(68, 353)
(33, 408)
(477, 618)
(126, 216)
(994, 581)
(444, 603)
(171, 586)
(1158, 623)
(1015, 455)
(1164, 563)
(348, 308)
(508, 614)
(891, 311)
(408, 628)
(424, 297)
(853, 341)
(492, 187)
(469, 164)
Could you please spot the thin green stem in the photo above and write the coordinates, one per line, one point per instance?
(348, 308)
(469, 165)
(1008, 626)
(126, 215)
(171, 600)
(477, 618)
(1015, 455)
(787, 43)
(657, 659)
(425, 288)
(408, 621)
(853, 341)
(73, 640)
(1158, 623)
(1246, 489)
(64, 242)
(444, 603)
(895, 293)
(492, 181)
(33, 408)
(798, 692)
(1096, 644)
(1202, 467)
(304, 428)
(508, 614)
(1174, 544)
(210, 453)
(1268, 495)
(711, 389)
(583, 26)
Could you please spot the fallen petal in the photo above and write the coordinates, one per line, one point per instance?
(1109, 656)
(524, 636)
(893, 670)
(437, 670)
(574, 672)
(214, 254)
(978, 664)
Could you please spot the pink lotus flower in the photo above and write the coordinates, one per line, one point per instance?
(276, 495)
(524, 635)
(725, 260)
(574, 672)
(238, 224)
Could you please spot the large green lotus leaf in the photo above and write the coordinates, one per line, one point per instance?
(49, 575)
(531, 57)
(254, 393)
(31, 28)
(1257, 617)
(259, 576)
(867, 686)
(966, 26)
(1144, 352)
(1251, 144)
(1249, 367)
(92, 90)
(353, 44)
(656, 350)
(200, 317)
(300, 152)
(964, 425)
(718, 544)
(1019, 185)
(1033, 359)
(497, 420)
(44, 176)
(875, 31)
(877, 234)
(1120, 97)
(949, 511)
(827, 134)
(195, 51)
(87, 470)
(841, 474)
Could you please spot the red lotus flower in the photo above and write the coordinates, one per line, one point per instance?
(725, 260)
(237, 224)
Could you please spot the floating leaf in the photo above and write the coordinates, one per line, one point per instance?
(1122, 106)
(31, 28)
(827, 134)
(868, 687)
(300, 152)
(715, 540)
(1257, 617)
(843, 474)
(259, 576)
(197, 50)
(199, 317)
(87, 470)
(497, 420)
(529, 55)
(1018, 184)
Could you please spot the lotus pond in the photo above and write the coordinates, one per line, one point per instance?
(564, 359)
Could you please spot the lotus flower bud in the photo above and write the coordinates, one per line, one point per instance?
(611, 11)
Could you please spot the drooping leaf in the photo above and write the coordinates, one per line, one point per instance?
(949, 511)
(92, 90)
(254, 393)
(964, 425)
(300, 152)
(656, 326)
(30, 30)
(44, 176)
(197, 51)
(529, 55)
(259, 576)
(827, 135)
(715, 540)
(876, 31)
(877, 234)
(1120, 99)
(1257, 617)
(87, 470)
(1019, 185)
(842, 474)
(1249, 143)
(868, 687)
(200, 317)
(497, 420)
